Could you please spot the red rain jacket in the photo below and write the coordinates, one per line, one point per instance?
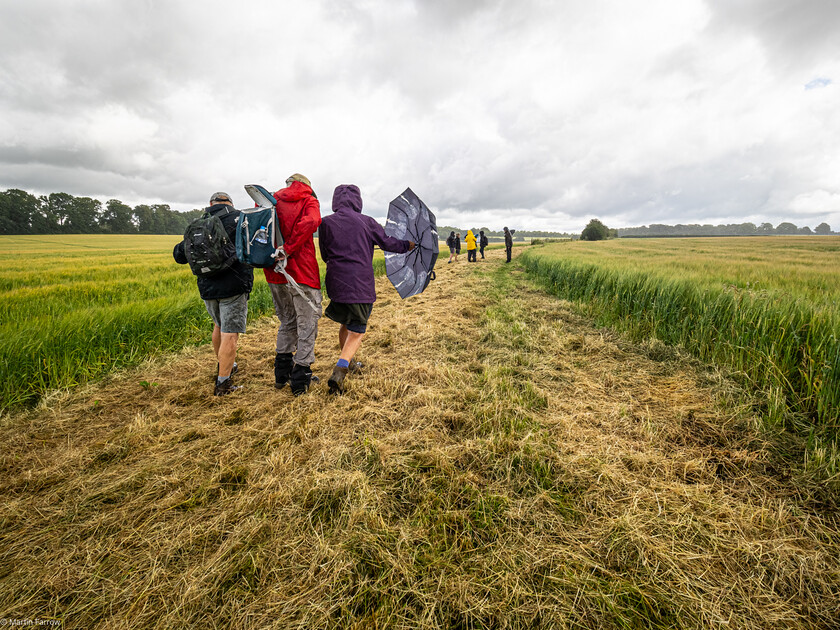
(300, 215)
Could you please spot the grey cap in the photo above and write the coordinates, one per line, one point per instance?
(220, 196)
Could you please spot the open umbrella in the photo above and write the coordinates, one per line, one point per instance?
(410, 219)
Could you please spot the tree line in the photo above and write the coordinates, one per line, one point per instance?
(732, 229)
(62, 213)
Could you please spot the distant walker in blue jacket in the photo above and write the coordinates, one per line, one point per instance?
(346, 239)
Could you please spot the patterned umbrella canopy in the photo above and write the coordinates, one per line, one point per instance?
(410, 219)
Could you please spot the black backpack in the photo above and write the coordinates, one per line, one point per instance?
(207, 246)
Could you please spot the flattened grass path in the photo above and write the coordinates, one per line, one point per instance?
(500, 463)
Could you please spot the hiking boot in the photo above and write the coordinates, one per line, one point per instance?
(232, 371)
(282, 369)
(225, 387)
(300, 379)
(336, 382)
(355, 367)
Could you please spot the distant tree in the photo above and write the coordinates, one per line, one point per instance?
(765, 228)
(786, 228)
(20, 212)
(144, 217)
(804, 230)
(116, 218)
(822, 228)
(59, 208)
(594, 231)
(83, 217)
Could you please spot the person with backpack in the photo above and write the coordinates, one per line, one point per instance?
(482, 242)
(346, 240)
(297, 308)
(224, 283)
(450, 242)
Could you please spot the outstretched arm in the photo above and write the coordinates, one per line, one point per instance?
(388, 243)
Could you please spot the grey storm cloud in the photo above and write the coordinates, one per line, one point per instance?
(792, 32)
(491, 110)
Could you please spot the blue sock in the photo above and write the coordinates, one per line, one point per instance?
(343, 363)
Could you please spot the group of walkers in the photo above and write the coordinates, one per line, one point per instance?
(454, 244)
(346, 241)
(473, 243)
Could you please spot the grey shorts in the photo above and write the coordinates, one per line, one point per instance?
(229, 314)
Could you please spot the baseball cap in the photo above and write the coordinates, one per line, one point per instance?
(220, 196)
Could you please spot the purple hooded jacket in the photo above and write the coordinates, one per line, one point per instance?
(346, 239)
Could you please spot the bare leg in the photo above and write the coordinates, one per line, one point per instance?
(350, 343)
(217, 340)
(227, 352)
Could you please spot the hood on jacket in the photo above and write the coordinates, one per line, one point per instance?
(347, 196)
(295, 192)
(470, 234)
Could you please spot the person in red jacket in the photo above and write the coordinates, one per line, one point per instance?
(299, 213)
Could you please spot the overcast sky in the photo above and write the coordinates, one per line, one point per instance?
(535, 114)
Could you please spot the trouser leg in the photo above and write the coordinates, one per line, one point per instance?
(284, 308)
(307, 323)
(307, 320)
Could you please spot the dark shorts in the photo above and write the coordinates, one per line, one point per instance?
(353, 316)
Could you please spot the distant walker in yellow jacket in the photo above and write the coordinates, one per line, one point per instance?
(470, 238)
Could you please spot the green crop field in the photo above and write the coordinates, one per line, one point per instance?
(72, 308)
(769, 308)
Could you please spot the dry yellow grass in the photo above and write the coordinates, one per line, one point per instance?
(499, 464)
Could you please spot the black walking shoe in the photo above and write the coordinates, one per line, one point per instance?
(225, 387)
(282, 369)
(336, 382)
(355, 367)
(300, 379)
